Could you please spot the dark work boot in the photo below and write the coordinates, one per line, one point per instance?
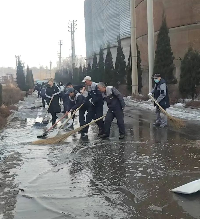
(157, 124)
(100, 132)
(121, 136)
(104, 136)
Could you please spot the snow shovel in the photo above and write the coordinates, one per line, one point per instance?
(178, 123)
(44, 135)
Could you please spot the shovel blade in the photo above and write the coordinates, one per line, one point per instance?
(42, 136)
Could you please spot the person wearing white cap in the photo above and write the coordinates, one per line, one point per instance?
(96, 108)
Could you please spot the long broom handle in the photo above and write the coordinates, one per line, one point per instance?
(71, 116)
(56, 123)
(79, 129)
(48, 107)
(160, 107)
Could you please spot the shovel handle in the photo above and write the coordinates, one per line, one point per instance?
(56, 123)
(71, 116)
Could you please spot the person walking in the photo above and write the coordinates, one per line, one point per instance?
(160, 94)
(62, 88)
(79, 99)
(42, 94)
(95, 110)
(52, 93)
(116, 105)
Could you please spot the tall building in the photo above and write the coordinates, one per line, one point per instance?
(105, 20)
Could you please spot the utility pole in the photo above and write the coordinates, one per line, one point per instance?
(60, 56)
(134, 49)
(50, 68)
(72, 29)
(151, 52)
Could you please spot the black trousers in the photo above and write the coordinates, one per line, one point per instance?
(82, 117)
(119, 115)
(54, 117)
(95, 112)
(43, 102)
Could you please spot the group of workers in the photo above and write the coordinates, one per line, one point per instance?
(89, 100)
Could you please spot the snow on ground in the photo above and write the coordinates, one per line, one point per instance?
(178, 110)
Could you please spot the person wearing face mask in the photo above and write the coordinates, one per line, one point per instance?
(160, 94)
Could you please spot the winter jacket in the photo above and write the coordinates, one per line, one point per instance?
(43, 92)
(161, 95)
(79, 99)
(114, 99)
(94, 95)
(53, 92)
(67, 102)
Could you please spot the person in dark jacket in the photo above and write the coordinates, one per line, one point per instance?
(67, 103)
(52, 93)
(160, 93)
(79, 99)
(42, 94)
(38, 89)
(96, 108)
(116, 105)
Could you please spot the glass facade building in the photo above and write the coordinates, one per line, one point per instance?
(105, 21)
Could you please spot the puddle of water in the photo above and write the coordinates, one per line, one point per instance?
(97, 178)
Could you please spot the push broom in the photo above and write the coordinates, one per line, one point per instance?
(59, 139)
(44, 135)
(178, 123)
(65, 122)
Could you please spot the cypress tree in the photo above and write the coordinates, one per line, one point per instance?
(129, 71)
(1, 95)
(109, 69)
(101, 66)
(75, 76)
(80, 74)
(84, 72)
(139, 69)
(89, 70)
(120, 65)
(20, 76)
(164, 56)
(32, 79)
(190, 74)
(94, 74)
(29, 83)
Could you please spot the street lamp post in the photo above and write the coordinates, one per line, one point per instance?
(151, 52)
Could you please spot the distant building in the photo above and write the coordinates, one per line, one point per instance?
(105, 20)
(7, 79)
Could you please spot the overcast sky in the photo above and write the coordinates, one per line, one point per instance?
(33, 28)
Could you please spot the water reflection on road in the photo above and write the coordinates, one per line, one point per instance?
(105, 179)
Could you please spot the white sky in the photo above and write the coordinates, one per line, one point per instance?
(33, 28)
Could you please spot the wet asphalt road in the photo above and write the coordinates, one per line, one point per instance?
(98, 179)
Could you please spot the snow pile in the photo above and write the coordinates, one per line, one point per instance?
(178, 110)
